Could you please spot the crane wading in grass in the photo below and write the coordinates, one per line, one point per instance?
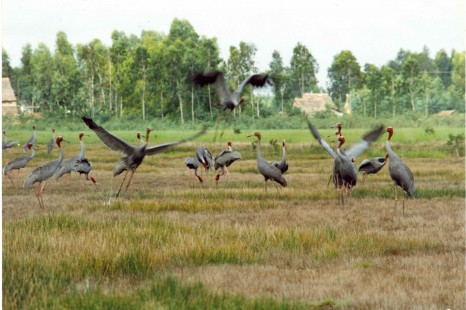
(134, 154)
(343, 177)
(224, 159)
(18, 163)
(269, 171)
(399, 172)
(282, 164)
(42, 173)
(8, 144)
(193, 163)
(69, 165)
(205, 157)
(229, 100)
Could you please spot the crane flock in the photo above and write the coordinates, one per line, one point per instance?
(344, 172)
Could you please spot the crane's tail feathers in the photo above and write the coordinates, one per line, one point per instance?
(89, 122)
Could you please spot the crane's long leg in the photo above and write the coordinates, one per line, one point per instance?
(396, 199)
(122, 184)
(219, 118)
(228, 174)
(130, 179)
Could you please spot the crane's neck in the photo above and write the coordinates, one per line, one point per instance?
(258, 149)
(388, 147)
(284, 153)
(83, 149)
(229, 149)
(33, 153)
(62, 155)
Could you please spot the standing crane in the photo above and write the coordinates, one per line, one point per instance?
(42, 173)
(282, 164)
(134, 154)
(193, 163)
(18, 163)
(7, 144)
(269, 171)
(83, 167)
(51, 143)
(32, 139)
(205, 157)
(399, 172)
(69, 165)
(372, 166)
(343, 172)
(224, 159)
(229, 100)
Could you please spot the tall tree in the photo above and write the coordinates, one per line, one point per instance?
(344, 75)
(303, 70)
(410, 72)
(6, 67)
(443, 63)
(280, 78)
(42, 73)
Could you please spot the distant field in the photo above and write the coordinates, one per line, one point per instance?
(167, 245)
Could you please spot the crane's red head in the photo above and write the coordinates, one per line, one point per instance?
(341, 139)
(229, 143)
(339, 126)
(59, 140)
(390, 132)
(81, 134)
(53, 130)
(29, 145)
(241, 100)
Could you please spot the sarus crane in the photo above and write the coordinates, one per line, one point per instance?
(69, 165)
(8, 144)
(372, 165)
(51, 143)
(32, 139)
(42, 173)
(18, 163)
(224, 159)
(134, 154)
(400, 173)
(268, 171)
(283, 163)
(229, 100)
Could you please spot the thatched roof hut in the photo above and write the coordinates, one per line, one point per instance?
(446, 113)
(312, 103)
(9, 105)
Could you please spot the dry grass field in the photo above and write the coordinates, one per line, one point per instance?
(165, 244)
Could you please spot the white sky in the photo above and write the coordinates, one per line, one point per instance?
(374, 30)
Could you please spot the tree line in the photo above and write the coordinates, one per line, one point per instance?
(149, 76)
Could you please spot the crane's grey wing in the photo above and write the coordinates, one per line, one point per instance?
(367, 140)
(162, 147)
(256, 80)
(50, 145)
(107, 138)
(321, 141)
(214, 77)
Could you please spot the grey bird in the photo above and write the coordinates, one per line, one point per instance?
(83, 167)
(268, 171)
(193, 163)
(400, 173)
(32, 139)
(229, 100)
(344, 173)
(134, 154)
(69, 165)
(18, 163)
(122, 165)
(372, 165)
(224, 159)
(51, 143)
(205, 157)
(42, 173)
(7, 144)
(283, 163)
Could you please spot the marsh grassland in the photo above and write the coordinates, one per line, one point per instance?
(166, 244)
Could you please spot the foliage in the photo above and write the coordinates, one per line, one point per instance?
(457, 142)
(148, 77)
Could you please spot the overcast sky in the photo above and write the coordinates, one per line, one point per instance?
(374, 30)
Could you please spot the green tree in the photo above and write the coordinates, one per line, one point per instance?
(344, 75)
(6, 67)
(443, 63)
(372, 79)
(410, 73)
(42, 73)
(280, 76)
(303, 70)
